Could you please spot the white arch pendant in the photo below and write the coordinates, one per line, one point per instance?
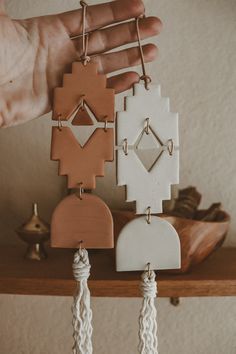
(147, 148)
(140, 243)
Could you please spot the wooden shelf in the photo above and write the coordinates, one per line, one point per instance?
(214, 277)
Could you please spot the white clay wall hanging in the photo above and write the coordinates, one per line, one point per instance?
(147, 164)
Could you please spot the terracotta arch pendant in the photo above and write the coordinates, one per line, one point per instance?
(83, 104)
(147, 148)
(87, 219)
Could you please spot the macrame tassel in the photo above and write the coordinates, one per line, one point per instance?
(82, 313)
(148, 342)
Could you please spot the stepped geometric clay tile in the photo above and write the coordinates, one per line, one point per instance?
(148, 132)
(83, 95)
(82, 164)
(84, 83)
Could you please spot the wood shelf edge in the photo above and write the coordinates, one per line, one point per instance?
(214, 277)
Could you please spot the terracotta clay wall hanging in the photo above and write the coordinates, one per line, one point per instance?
(83, 101)
(82, 220)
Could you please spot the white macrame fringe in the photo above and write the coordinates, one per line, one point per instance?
(148, 342)
(82, 313)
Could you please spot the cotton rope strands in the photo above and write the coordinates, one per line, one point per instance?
(148, 342)
(82, 313)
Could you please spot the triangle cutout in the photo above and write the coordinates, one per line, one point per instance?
(82, 117)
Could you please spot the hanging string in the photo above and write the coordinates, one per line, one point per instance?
(147, 80)
(148, 343)
(85, 36)
(82, 313)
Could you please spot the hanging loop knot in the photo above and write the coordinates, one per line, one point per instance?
(147, 80)
(85, 59)
(81, 266)
(148, 284)
(83, 3)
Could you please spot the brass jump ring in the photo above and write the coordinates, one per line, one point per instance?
(149, 269)
(147, 125)
(170, 146)
(59, 123)
(148, 215)
(80, 190)
(125, 146)
(80, 244)
(105, 125)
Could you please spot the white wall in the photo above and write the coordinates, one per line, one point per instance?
(196, 68)
(42, 325)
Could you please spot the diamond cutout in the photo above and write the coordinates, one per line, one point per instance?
(90, 124)
(148, 148)
(83, 132)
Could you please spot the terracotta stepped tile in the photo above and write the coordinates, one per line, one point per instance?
(82, 164)
(88, 220)
(84, 82)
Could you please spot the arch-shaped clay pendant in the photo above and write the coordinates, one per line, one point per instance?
(148, 148)
(140, 243)
(87, 219)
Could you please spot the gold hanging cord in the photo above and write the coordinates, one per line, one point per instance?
(85, 36)
(147, 80)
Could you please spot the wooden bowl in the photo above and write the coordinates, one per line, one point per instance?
(198, 238)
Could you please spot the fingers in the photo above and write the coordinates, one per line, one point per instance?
(101, 15)
(118, 35)
(125, 58)
(123, 81)
(2, 7)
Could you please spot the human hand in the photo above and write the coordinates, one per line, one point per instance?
(34, 53)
